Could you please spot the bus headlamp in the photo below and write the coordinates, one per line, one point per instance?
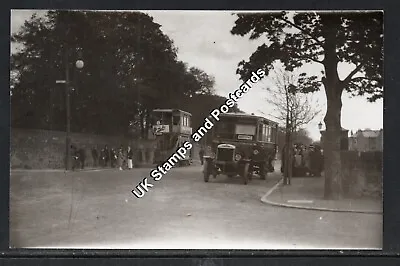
(238, 157)
(255, 152)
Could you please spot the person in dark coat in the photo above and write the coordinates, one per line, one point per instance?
(75, 157)
(283, 159)
(201, 155)
(316, 161)
(113, 157)
(106, 155)
(120, 158)
(82, 157)
(102, 158)
(95, 156)
(320, 161)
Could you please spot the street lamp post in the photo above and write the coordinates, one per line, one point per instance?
(78, 64)
(320, 126)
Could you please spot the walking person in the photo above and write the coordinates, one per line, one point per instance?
(130, 157)
(120, 158)
(95, 156)
(75, 157)
(124, 163)
(106, 155)
(201, 155)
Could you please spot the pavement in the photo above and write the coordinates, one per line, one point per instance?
(307, 193)
(96, 209)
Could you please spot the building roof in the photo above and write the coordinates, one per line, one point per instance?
(367, 133)
(171, 110)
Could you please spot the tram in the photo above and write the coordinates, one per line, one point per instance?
(171, 128)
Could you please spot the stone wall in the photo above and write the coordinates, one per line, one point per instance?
(362, 173)
(43, 149)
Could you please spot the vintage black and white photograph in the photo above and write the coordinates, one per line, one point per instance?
(137, 129)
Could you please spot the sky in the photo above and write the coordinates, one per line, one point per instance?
(204, 40)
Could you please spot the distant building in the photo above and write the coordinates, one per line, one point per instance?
(366, 140)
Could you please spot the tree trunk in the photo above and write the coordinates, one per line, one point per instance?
(333, 90)
(141, 115)
(331, 146)
(147, 122)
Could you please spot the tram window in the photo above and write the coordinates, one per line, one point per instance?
(260, 132)
(273, 134)
(176, 120)
(269, 133)
(184, 121)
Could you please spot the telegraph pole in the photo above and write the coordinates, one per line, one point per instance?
(68, 112)
(67, 107)
(288, 154)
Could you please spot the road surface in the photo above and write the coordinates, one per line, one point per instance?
(96, 209)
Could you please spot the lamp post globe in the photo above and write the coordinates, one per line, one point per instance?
(79, 64)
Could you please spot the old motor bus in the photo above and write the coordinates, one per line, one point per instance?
(242, 144)
(171, 128)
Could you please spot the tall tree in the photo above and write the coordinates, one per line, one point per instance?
(130, 66)
(328, 39)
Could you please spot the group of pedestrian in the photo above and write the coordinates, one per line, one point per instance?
(115, 158)
(305, 160)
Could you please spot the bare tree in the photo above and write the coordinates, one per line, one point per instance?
(299, 109)
(292, 108)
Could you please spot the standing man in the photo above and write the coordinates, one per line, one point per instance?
(130, 158)
(113, 157)
(106, 155)
(120, 158)
(75, 157)
(201, 155)
(283, 159)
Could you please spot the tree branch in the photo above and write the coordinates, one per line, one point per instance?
(302, 30)
(362, 78)
(352, 73)
(315, 60)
